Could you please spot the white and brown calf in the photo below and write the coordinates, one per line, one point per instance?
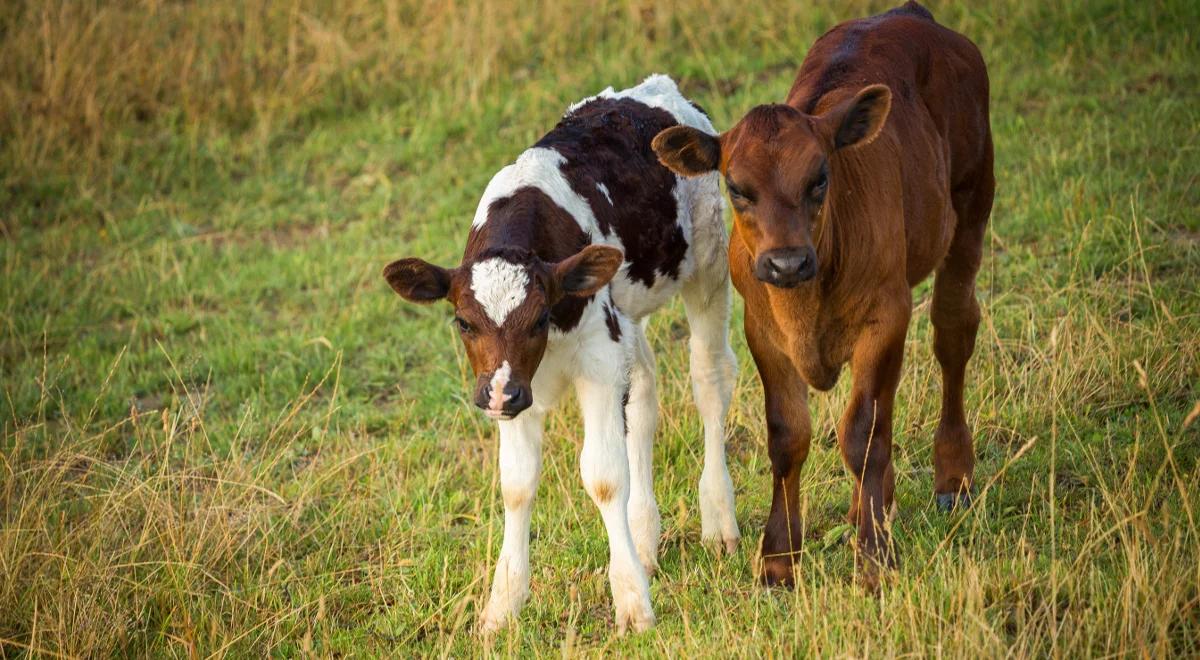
(571, 248)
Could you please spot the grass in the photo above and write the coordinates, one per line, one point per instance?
(223, 435)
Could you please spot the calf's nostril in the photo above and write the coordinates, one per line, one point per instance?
(483, 396)
(517, 399)
(786, 265)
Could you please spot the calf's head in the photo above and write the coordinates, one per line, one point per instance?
(776, 167)
(502, 310)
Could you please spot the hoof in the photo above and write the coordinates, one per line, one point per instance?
(874, 569)
(726, 544)
(778, 572)
(731, 545)
(489, 627)
(868, 579)
(649, 564)
(636, 619)
(947, 502)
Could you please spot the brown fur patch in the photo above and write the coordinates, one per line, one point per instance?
(603, 491)
(514, 499)
(607, 141)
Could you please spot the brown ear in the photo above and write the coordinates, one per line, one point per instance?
(417, 280)
(859, 120)
(585, 272)
(687, 151)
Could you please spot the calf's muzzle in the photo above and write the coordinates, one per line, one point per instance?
(786, 267)
(514, 399)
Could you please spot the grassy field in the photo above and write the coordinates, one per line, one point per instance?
(222, 434)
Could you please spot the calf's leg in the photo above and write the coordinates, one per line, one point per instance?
(789, 434)
(714, 369)
(955, 316)
(641, 418)
(865, 436)
(520, 469)
(604, 466)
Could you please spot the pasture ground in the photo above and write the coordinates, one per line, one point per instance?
(223, 435)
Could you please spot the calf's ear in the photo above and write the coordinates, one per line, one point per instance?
(587, 271)
(687, 151)
(417, 280)
(859, 120)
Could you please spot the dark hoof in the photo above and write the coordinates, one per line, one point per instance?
(868, 579)
(778, 572)
(947, 502)
(874, 570)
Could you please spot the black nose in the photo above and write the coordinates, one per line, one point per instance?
(517, 399)
(786, 267)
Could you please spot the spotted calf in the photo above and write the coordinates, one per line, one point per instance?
(571, 248)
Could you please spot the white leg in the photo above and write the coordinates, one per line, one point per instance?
(604, 466)
(641, 419)
(713, 367)
(520, 467)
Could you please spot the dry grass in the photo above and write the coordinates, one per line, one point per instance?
(223, 436)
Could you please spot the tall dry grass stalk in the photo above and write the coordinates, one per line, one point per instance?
(87, 86)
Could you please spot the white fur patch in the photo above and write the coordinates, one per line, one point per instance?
(658, 91)
(539, 168)
(499, 287)
(604, 191)
(499, 382)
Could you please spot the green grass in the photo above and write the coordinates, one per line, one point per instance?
(223, 433)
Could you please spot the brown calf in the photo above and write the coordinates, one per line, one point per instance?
(876, 172)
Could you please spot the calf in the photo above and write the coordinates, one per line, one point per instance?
(572, 246)
(876, 172)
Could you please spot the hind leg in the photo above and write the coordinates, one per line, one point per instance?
(713, 368)
(641, 418)
(955, 316)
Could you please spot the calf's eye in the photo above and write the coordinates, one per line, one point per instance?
(736, 195)
(543, 322)
(817, 191)
(462, 325)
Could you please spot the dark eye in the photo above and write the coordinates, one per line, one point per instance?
(543, 322)
(734, 193)
(817, 190)
(463, 326)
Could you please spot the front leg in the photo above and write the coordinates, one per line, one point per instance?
(520, 468)
(865, 436)
(604, 466)
(788, 437)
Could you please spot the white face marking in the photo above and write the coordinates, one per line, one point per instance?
(499, 381)
(604, 190)
(499, 286)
